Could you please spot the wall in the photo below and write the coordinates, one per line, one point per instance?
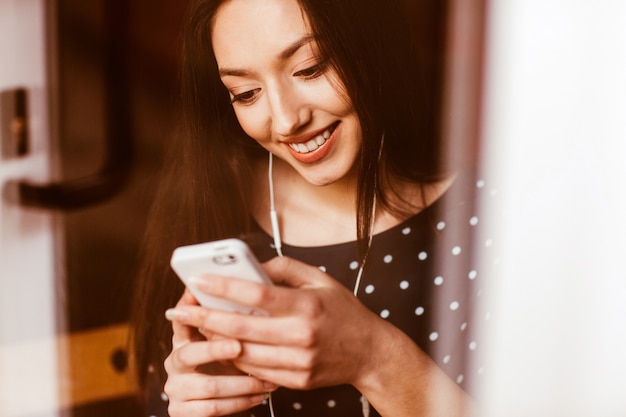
(555, 131)
(27, 264)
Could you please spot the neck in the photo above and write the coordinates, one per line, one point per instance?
(312, 215)
(297, 191)
(309, 215)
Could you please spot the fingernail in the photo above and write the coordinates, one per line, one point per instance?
(173, 314)
(258, 399)
(233, 348)
(269, 386)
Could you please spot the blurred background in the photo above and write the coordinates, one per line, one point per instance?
(87, 94)
(94, 84)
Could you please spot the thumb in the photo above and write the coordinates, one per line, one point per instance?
(296, 274)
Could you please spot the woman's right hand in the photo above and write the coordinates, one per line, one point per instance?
(201, 380)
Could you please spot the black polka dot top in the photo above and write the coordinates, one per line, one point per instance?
(421, 276)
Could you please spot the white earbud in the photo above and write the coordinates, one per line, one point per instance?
(273, 216)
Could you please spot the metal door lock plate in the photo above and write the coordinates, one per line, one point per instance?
(14, 134)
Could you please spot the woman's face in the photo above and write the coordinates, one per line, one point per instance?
(284, 94)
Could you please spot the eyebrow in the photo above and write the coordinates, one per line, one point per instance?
(283, 55)
(293, 48)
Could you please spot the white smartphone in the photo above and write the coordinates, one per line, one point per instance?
(228, 258)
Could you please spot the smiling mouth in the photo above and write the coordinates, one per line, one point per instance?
(315, 143)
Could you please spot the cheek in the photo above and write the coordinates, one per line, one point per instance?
(336, 97)
(253, 123)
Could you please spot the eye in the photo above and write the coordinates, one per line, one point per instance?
(246, 97)
(312, 72)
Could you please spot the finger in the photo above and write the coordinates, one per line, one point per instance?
(256, 355)
(293, 273)
(201, 386)
(275, 300)
(285, 330)
(192, 355)
(289, 378)
(215, 407)
(183, 333)
(179, 316)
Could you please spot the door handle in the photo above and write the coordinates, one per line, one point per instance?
(95, 188)
(117, 163)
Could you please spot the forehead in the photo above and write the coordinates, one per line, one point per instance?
(248, 30)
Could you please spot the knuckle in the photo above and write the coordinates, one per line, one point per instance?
(279, 263)
(239, 327)
(174, 409)
(287, 262)
(211, 408)
(211, 388)
(306, 361)
(167, 363)
(168, 389)
(306, 336)
(203, 317)
(303, 382)
(177, 360)
(264, 296)
(307, 326)
(311, 306)
(172, 363)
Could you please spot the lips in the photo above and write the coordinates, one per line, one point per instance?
(315, 148)
(314, 143)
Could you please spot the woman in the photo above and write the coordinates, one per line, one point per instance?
(332, 90)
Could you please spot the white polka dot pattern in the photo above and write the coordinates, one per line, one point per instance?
(425, 259)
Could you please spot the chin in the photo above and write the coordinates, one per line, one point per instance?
(332, 176)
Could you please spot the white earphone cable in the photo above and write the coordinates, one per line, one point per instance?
(365, 407)
(273, 216)
(359, 274)
(277, 242)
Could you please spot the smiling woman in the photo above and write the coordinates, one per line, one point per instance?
(285, 94)
(334, 92)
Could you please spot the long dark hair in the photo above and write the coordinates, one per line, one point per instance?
(206, 180)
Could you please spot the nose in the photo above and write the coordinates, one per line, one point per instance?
(289, 109)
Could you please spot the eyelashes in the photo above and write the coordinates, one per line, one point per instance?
(245, 97)
(307, 74)
(312, 72)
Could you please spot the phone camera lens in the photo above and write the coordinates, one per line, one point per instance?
(227, 259)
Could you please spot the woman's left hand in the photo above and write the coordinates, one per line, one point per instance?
(318, 333)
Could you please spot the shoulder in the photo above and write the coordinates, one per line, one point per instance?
(406, 199)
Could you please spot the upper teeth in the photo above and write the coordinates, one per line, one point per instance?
(312, 144)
